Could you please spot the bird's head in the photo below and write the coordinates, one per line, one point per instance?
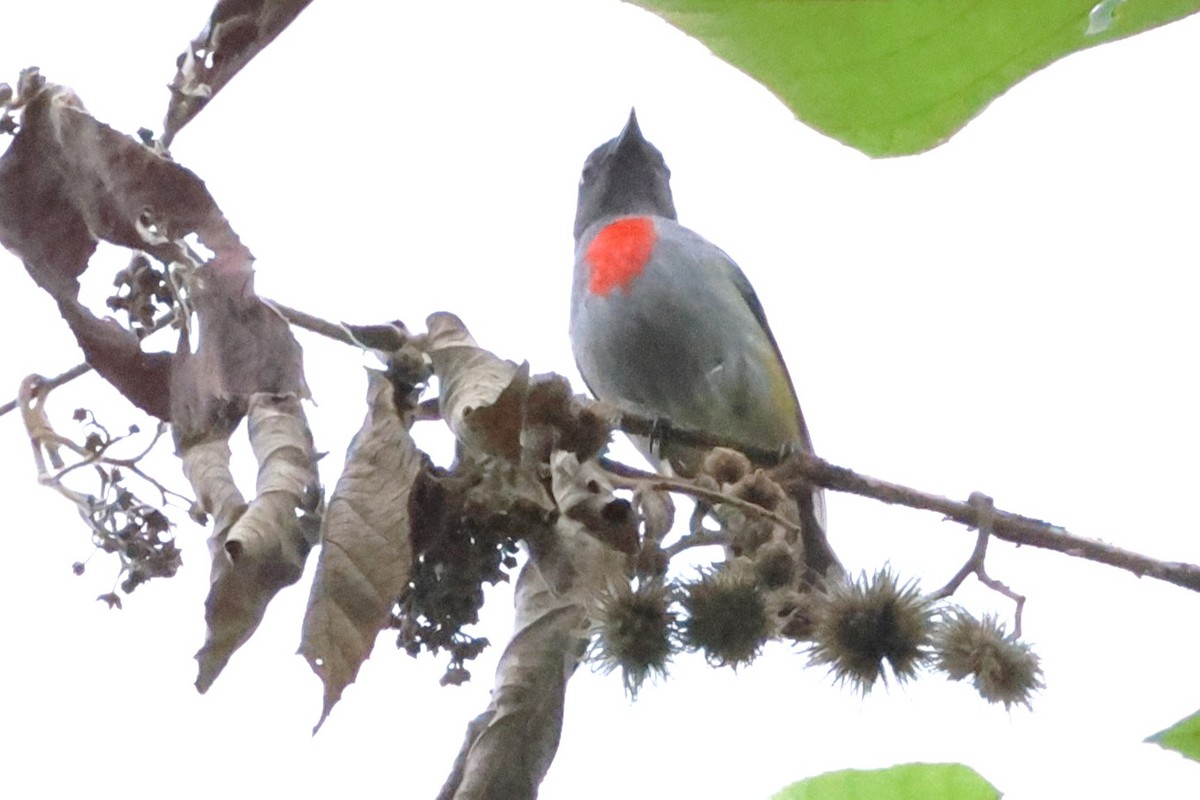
(625, 175)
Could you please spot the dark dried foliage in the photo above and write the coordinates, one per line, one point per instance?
(142, 293)
(235, 32)
(457, 550)
(122, 524)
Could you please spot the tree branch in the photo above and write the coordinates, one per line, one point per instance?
(300, 319)
(1008, 526)
(976, 565)
(627, 477)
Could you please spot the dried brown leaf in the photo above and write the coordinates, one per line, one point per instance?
(386, 338)
(206, 466)
(584, 494)
(266, 547)
(472, 379)
(510, 755)
(510, 747)
(657, 510)
(67, 181)
(496, 429)
(116, 353)
(245, 348)
(366, 545)
(235, 32)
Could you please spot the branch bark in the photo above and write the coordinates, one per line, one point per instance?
(1010, 527)
(1005, 525)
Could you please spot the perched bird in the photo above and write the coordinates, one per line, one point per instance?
(664, 323)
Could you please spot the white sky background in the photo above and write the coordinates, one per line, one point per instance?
(1012, 312)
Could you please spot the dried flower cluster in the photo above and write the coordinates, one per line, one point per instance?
(143, 293)
(464, 548)
(122, 524)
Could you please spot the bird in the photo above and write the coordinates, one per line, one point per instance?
(664, 324)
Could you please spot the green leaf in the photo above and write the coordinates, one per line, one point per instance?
(1183, 737)
(895, 77)
(901, 782)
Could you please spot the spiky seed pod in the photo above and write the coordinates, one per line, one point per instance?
(727, 616)
(775, 566)
(725, 466)
(760, 489)
(863, 623)
(1003, 668)
(634, 629)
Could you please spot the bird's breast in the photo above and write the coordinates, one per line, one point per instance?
(618, 254)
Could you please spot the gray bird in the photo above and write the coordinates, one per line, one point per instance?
(665, 324)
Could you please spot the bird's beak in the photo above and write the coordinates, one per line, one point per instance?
(631, 134)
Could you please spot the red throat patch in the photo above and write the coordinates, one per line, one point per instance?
(619, 253)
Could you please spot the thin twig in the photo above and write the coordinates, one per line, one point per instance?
(51, 383)
(1016, 597)
(46, 384)
(323, 327)
(967, 569)
(1010, 527)
(986, 509)
(300, 319)
(976, 564)
(697, 538)
(630, 478)
(131, 463)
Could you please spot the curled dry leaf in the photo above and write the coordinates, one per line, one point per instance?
(245, 348)
(657, 510)
(68, 181)
(206, 466)
(385, 338)
(366, 545)
(235, 32)
(584, 494)
(510, 754)
(585, 570)
(509, 748)
(496, 429)
(483, 399)
(116, 353)
(265, 549)
(472, 379)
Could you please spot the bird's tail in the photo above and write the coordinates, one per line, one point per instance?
(821, 563)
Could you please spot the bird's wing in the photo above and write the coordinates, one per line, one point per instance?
(755, 305)
(821, 556)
